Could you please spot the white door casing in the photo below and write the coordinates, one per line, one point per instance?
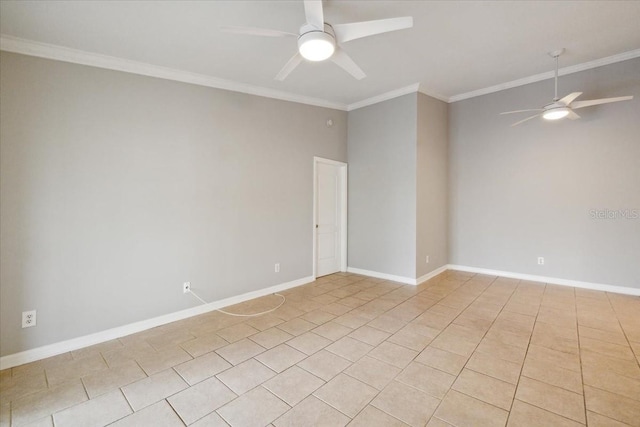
(330, 216)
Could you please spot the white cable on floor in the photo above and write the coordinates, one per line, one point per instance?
(196, 295)
(244, 315)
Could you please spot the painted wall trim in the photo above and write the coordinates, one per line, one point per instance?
(489, 272)
(400, 279)
(550, 280)
(431, 274)
(384, 96)
(427, 92)
(43, 352)
(75, 56)
(32, 355)
(548, 75)
(378, 275)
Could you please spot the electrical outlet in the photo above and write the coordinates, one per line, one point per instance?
(427, 259)
(277, 268)
(186, 287)
(540, 260)
(28, 319)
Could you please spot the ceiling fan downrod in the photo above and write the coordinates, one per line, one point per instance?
(556, 54)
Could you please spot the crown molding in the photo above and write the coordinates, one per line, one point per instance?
(75, 56)
(60, 53)
(548, 75)
(434, 95)
(384, 97)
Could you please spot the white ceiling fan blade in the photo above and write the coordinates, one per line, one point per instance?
(572, 115)
(356, 30)
(582, 104)
(289, 67)
(314, 14)
(251, 31)
(569, 98)
(345, 62)
(522, 111)
(522, 121)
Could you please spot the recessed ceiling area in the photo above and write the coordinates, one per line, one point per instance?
(454, 47)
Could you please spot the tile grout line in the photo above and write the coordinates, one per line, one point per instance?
(82, 382)
(628, 342)
(352, 363)
(521, 369)
(278, 373)
(584, 394)
(396, 296)
(128, 403)
(147, 376)
(451, 322)
(581, 363)
(126, 398)
(626, 336)
(580, 353)
(544, 382)
(492, 323)
(515, 392)
(261, 385)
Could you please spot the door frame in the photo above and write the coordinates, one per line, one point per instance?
(343, 211)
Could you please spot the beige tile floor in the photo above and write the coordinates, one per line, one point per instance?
(458, 350)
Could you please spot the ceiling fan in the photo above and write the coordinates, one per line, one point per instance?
(563, 107)
(319, 41)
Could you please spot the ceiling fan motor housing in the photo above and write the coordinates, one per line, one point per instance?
(315, 44)
(555, 111)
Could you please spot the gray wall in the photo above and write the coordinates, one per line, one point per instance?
(432, 185)
(526, 191)
(382, 187)
(116, 188)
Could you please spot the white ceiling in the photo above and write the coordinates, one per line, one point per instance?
(454, 48)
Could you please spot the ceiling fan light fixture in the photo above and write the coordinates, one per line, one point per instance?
(316, 46)
(555, 113)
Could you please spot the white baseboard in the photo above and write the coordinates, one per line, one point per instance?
(432, 274)
(43, 352)
(401, 279)
(550, 280)
(376, 274)
(489, 272)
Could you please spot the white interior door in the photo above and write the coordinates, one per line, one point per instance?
(330, 217)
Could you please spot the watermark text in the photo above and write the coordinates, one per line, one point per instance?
(614, 213)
